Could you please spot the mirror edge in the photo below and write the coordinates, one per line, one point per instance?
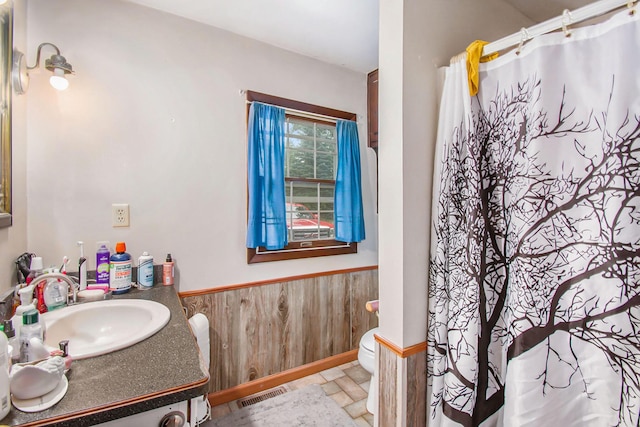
(6, 218)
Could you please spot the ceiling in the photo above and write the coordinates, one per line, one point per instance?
(341, 32)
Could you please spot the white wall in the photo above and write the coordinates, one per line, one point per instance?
(13, 240)
(417, 37)
(154, 118)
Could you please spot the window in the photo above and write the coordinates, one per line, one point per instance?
(311, 158)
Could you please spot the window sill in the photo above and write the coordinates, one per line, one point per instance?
(299, 250)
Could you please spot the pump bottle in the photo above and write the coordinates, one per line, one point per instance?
(31, 328)
(26, 304)
(168, 271)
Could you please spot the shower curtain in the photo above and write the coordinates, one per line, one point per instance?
(534, 287)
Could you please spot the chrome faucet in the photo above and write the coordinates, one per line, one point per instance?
(73, 286)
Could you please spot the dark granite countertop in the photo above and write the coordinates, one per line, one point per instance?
(165, 368)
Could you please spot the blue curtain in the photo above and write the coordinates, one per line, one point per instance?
(267, 225)
(349, 224)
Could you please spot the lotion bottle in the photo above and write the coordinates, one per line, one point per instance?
(168, 271)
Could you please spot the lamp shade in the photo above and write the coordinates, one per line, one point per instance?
(58, 80)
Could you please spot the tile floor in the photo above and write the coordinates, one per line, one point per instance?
(346, 384)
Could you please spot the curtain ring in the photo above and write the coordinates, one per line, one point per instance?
(631, 6)
(458, 58)
(567, 20)
(524, 36)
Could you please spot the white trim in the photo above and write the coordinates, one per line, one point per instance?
(592, 10)
(303, 249)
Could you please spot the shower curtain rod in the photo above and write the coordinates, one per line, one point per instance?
(589, 11)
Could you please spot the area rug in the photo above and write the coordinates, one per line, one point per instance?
(308, 406)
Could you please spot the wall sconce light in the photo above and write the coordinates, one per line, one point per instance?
(57, 64)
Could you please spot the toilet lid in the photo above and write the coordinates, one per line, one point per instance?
(368, 341)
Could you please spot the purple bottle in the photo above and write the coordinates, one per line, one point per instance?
(102, 264)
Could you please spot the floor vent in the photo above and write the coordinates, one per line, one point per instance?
(259, 397)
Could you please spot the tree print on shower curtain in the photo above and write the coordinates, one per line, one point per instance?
(538, 260)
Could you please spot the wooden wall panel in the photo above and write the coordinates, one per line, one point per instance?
(387, 386)
(401, 376)
(285, 324)
(294, 328)
(219, 307)
(263, 330)
(417, 390)
(363, 287)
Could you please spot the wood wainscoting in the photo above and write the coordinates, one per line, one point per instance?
(402, 384)
(258, 330)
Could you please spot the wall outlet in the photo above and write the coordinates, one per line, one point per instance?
(120, 214)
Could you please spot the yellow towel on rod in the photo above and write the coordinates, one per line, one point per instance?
(474, 52)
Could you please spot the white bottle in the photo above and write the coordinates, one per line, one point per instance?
(35, 269)
(5, 401)
(14, 343)
(145, 270)
(26, 304)
(31, 328)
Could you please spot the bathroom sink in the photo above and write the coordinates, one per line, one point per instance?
(97, 328)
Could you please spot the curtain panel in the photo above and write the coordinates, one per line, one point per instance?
(349, 225)
(267, 225)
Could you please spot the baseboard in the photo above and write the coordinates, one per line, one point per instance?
(265, 383)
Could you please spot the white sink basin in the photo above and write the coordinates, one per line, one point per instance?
(97, 328)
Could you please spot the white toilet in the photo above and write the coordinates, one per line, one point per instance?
(367, 359)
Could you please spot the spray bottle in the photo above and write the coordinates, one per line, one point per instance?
(168, 271)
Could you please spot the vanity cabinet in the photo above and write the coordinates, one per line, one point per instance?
(164, 371)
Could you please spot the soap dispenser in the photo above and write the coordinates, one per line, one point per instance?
(31, 328)
(55, 294)
(26, 304)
